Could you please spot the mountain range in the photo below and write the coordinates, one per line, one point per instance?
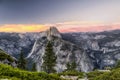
(89, 50)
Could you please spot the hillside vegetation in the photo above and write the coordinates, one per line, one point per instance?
(11, 73)
(4, 55)
(113, 75)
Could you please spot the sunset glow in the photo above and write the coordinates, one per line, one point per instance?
(62, 27)
(22, 28)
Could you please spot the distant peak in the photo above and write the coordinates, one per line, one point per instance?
(53, 28)
(53, 31)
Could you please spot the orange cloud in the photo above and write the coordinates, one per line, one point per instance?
(22, 28)
(91, 28)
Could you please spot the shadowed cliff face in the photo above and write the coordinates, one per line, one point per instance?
(64, 50)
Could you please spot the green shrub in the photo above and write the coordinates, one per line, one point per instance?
(9, 78)
(10, 72)
(55, 76)
(113, 75)
(104, 76)
(81, 75)
(93, 74)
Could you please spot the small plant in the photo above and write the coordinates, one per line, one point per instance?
(34, 67)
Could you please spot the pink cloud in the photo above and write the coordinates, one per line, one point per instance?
(89, 28)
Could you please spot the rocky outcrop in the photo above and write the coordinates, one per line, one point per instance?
(64, 50)
(52, 32)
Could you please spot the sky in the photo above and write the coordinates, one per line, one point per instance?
(66, 15)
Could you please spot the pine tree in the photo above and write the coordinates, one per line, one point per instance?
(71, 66)
(34, 67)
(117, 64)
(68, 65)
(49, 59)
(22, 61)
